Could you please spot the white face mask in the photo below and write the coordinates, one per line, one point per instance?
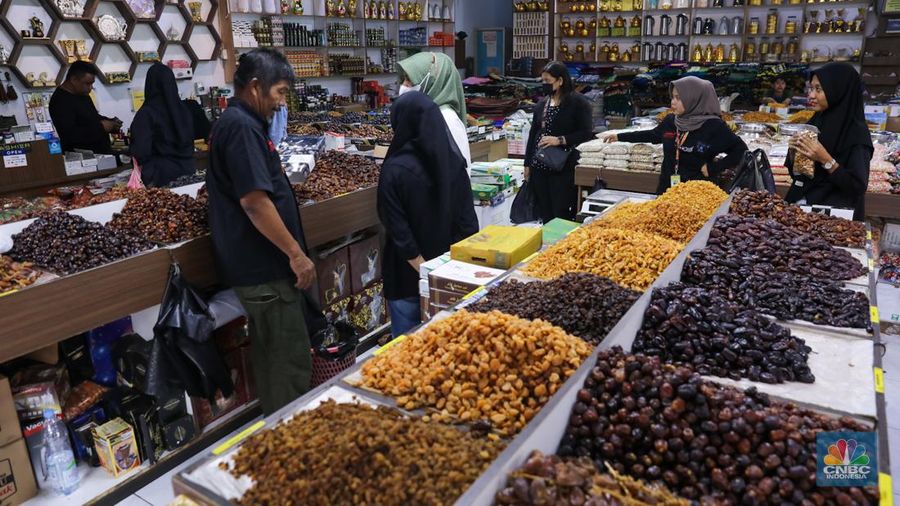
(404, 88)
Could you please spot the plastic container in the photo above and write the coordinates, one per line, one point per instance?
(59, 460)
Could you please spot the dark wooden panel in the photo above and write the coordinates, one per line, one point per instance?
(339, 217)
(44, 314)
(195, 257)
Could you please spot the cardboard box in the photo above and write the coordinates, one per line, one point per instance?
(33, 432)
(333, 276)
(368, 310)
(9, 420)
(426, 268)
(140, 411)
(556, 229)
(484, 191)
(17, 483)
(888, 302)
(460, 277)
(117, 447)
(205, 412)
(365, 262)
(444, 299)
(425, 308)
(498, 247)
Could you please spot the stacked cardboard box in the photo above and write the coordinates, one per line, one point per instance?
(17, 483)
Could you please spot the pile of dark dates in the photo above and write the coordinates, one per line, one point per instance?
(749, 241)
(783, 295)
(834, 230)
(708, 443)
(337, 173)
(197, 177)
(66, 243)
(698, 328)
(161, 215)
(582, 304)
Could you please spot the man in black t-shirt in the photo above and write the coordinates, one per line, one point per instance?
(74, 116)
(256, 231)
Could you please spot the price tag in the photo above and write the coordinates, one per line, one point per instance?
(879, 380)
(473, 293)
(242, 435)
(869, 235)
(885, 489)
(4, 294)
(530, 257)
(871, 264)
(674, 180)
(873, 314)
(43, 127)
(384, 348)
(10, 161)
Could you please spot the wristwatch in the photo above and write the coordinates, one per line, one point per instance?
(561, 140)
(830, 164)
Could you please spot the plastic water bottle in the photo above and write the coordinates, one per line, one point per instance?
(60, 461)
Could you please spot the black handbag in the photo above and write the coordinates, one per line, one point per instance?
(553, 158)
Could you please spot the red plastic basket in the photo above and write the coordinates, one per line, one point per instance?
(324, 369)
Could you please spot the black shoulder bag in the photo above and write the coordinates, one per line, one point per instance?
(554, 158)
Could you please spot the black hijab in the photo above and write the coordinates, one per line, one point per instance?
(161, 99)
(421, 137)
(843, 124)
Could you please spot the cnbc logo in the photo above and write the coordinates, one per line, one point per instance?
(846, 459)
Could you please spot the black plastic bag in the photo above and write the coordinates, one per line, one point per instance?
(524, 207)
(335, 341)
(754, 173)
(182, 354)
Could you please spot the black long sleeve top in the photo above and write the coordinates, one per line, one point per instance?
(414, 225)
(700, 147)
(162, 155)
(845, 187)
(78, 123)
(572, 122)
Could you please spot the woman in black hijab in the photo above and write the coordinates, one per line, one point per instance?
(843, 149)
(424, 202)
(162, 131)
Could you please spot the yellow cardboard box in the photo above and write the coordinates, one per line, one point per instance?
(16, 477)
(498, 247)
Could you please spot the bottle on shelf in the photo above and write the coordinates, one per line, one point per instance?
(772, 22)
(733, 53)
(698, 26)
(753, 27)
(724, 25)
(737, 25)
(708, 53)
(697, 53)
(681, 24)
(59, 460)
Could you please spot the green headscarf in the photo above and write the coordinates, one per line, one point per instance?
(444, 86)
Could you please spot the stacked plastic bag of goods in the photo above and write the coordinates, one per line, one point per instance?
(884, 177)
(638, 157)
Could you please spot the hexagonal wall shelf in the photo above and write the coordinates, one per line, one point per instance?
(144, 11)
(203, 44)
(146, 38)
(114, 57)
(16, 15)
(34, 60)
(116, 9)
(74, 30)
(174, 21)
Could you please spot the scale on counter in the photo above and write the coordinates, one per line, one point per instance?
(601, 200)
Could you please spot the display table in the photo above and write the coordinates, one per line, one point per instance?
(881, 205)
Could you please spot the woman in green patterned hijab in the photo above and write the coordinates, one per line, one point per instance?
(435, 75)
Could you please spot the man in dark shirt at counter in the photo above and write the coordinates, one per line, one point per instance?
(256, 231)
(74, 116)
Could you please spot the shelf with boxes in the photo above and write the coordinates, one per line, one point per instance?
(50, 34)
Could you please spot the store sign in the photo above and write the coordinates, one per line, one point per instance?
(846, 459)
(43, 127)
(12, 161)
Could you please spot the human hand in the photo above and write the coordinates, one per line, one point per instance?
(110, 126)
(304, 270)
(810, 147)
(527, 172)
(548, 141)
(609, 137)
(704, 170)
(417, 262)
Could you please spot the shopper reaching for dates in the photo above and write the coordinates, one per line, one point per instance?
(843, 149)
(256, 231)
(424, 202)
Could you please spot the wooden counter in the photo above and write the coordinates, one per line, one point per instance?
(339, 217)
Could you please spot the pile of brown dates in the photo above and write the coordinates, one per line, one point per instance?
(337, 173)
(708, 443)
(582, 304)
(698, 328)
(783, 295)
(750, 241)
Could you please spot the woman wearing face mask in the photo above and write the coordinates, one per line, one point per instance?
(692, 137)
(563, 119)
(424, 202)
(435, 75)
(843, 149)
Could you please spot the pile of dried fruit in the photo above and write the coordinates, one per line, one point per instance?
(701, 195)
(801, 116)
(699, 328)
(834, 230)
(161, 215)
(751, 241)
(474, 367)
(760, 117)
(582, 304)
(576, 481)
(65, 243)
(709, 443)
(306, 129)
(14, 209)
(631, 259)
(337, 173)
(780, 294)
(16, 275)
(357, 454)
(669, 219)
